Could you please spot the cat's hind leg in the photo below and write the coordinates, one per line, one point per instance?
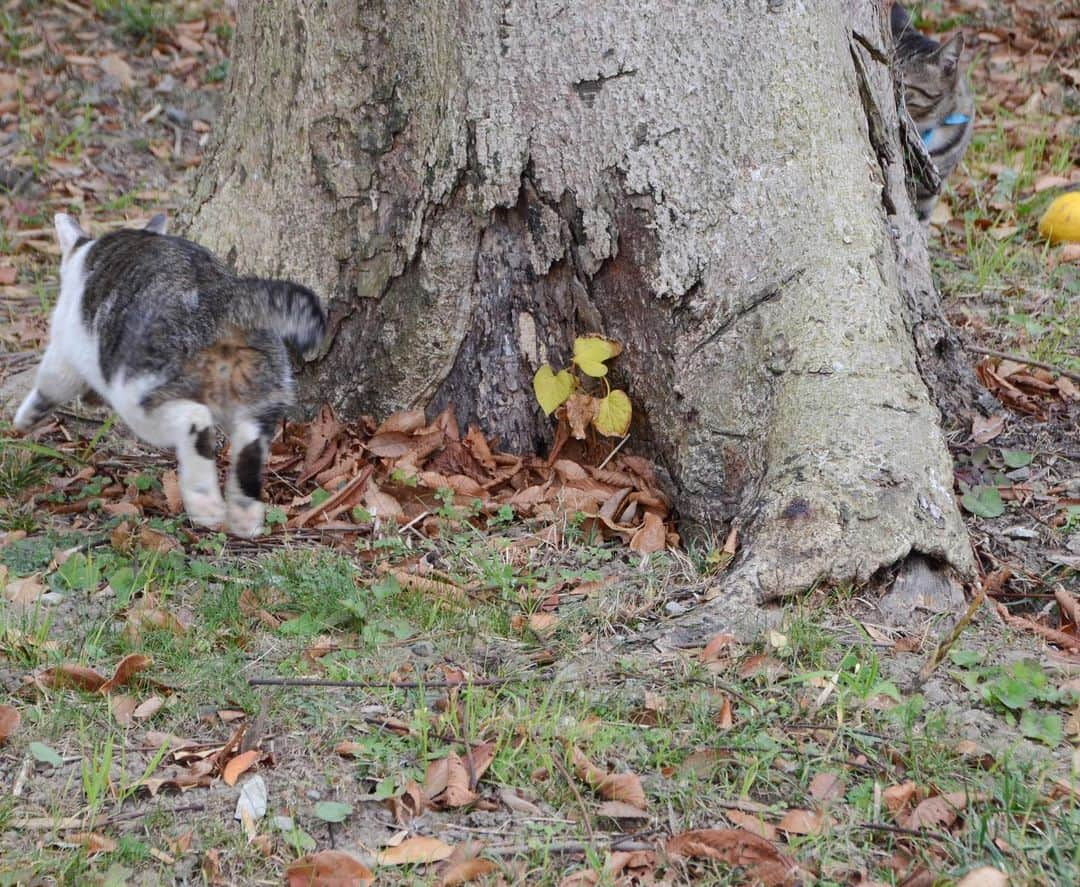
(250, 443)
(189, 427)
(56, 382)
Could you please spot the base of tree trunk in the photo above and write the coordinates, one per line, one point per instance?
(719, 187)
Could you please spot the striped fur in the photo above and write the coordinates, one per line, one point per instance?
(175, 343)
(937, 98)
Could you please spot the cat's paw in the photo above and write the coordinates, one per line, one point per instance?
(246, 517)
(205, 508)
(28, 413)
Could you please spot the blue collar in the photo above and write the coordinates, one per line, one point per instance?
(951, 120)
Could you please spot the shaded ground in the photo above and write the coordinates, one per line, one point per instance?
(506, 703)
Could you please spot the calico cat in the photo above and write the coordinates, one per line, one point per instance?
(937, 98)
(176, 344)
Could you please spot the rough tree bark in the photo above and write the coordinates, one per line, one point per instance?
(717, 185)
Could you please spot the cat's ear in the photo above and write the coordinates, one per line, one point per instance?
(158, 224)
(949, 54)
(68, 232)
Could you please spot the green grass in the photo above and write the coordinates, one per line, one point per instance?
(1015, 269)
(596, 705)
(139, 20)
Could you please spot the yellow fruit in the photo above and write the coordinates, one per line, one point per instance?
(1061, 221)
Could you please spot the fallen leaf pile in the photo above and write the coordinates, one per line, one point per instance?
(1026, 389)
(329, 474)
(450, 782)
(761, 858)
(196, 764)
(407, 469)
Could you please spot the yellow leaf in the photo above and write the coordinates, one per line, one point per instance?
(1061, 221)
(551, 388)
(613, 415)
(590, 352)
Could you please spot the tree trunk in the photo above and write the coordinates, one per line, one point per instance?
(719, 186)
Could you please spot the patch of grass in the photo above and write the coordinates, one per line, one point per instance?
(1000, 253)
(139, 20)
(14, 39)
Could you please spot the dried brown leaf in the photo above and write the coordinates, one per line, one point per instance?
(580, 410)
(940, 811)
(390, 444)
(403, 421)
(826, 787)
(703, 762)
(384, 506)
(724, 718)
(170, 484)
(984, 430)
(126, 669)
(122, 708)
(738, 847)
(349, 749)
(621, 810)
(78, 676)
(24, 591)
(329, 868)
(9, 721)
(897, 797)
(651, 536)
(94, 842)
(718, 649)
(115, 66)
(984, 876)
(155, 540)
(148, 708)
(512, 799)
(804, 822)
(466, 871)
(754, 823)
(239, 765)
(414, 851)
(610, 786)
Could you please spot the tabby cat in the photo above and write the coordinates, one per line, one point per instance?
(176, 344)
(937, 98)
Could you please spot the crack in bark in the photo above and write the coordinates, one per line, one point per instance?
(589, 89)
(761, 297)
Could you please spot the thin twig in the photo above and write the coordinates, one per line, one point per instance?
(561, 767)
(900, 830)
(1017, 358)
(850, 729)
(135, 814)
(565, 848)
(393, 685)
(990, 584)
(743, 805)
(611, 455)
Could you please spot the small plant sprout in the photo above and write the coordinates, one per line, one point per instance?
(610, 415)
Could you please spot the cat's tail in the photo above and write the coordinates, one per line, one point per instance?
(295, 313)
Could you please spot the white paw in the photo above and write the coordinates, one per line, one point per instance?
(24, 417)
(246, 517)
(205, 508)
